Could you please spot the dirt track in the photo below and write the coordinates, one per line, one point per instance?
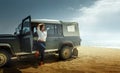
(90, 60)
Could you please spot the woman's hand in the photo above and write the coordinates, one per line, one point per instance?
(39, 25)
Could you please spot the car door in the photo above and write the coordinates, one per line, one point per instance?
(52, 41)
(26, 35)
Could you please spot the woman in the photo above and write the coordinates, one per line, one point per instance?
(42, 35)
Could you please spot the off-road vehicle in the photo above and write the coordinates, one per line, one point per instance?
(62, 38)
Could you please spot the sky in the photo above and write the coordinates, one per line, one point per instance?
(98, 19)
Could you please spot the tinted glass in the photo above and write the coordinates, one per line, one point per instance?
(26, 28)
(54, 29)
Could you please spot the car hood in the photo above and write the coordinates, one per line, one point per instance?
(7, 36)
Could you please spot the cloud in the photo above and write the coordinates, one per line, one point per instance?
(100, 22)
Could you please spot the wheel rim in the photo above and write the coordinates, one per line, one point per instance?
(66, 53)
(3, 59)
(75, 52)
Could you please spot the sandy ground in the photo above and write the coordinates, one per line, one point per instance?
(90, 60)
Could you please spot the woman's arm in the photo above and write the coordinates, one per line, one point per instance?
(38, 26)
(38, 32)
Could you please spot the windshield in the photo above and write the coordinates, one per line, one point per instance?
(17, 31)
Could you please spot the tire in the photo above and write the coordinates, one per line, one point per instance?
(4, 57)
(75, 52)
(65, 53)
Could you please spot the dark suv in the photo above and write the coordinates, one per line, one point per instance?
(62, 38)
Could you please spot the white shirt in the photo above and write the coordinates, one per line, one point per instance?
(42, 35)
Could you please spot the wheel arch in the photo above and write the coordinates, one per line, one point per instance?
(66, 43)
(7, 47)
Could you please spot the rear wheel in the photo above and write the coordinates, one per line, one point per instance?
(65, 52)
(4, 57)
(75, 52)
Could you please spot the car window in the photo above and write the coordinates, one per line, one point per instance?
(26, 28)
(59, 30)
(71, 28)
(54, 30)
(50, 29)
(17, 31)
(34, 30)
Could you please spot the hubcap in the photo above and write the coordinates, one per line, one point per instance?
(67, 53)
(3, 59)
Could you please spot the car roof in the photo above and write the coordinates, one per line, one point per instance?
(45, 21)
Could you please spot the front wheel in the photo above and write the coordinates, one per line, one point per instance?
(4, 57)
(65, 52)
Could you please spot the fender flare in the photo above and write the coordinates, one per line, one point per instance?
(69, 43)
(7, 45)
